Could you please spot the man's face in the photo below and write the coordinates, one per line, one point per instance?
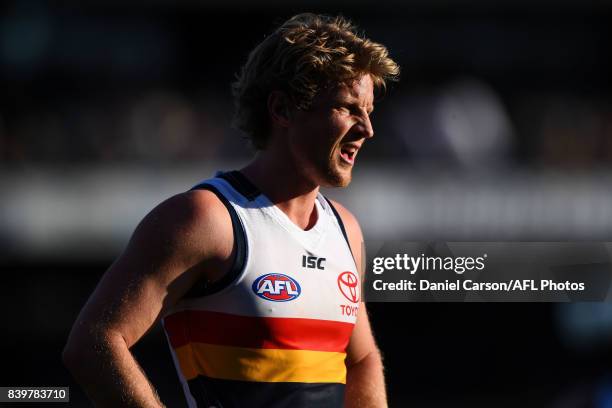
(324, 140)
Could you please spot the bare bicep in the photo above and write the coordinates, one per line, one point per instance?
(160, 264)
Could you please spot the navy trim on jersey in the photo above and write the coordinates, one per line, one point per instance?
(203, 394)
(241, 184)
(340, 223)
(203, 287)
(238, 394)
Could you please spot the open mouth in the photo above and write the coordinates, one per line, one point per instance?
(348, 153)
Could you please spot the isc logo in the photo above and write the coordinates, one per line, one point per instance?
(276, 287)
(312, 262)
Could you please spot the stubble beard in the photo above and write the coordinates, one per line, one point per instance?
(336, 174)
(328, 170)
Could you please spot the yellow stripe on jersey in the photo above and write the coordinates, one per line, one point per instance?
(263, 365)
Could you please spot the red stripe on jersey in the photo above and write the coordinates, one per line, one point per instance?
(257, 332)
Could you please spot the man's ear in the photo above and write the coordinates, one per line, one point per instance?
(279, 108)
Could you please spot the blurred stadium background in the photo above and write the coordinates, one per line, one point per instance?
(500, 129)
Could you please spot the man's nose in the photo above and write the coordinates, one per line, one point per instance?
(365, 127)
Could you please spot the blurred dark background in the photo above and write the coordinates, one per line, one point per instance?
(500, 129)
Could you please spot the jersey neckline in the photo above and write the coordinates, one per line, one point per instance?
(310, 237)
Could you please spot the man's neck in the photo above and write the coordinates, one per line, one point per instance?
(285, 186)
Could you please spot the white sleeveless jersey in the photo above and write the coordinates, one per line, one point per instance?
(274, 331)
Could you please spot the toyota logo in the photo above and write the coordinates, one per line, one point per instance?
(348, 285)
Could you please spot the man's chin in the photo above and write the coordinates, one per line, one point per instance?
(335, 178)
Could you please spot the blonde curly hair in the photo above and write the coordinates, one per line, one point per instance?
(307, 53)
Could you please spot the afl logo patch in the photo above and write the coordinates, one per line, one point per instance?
(276, 287)
(348, 285)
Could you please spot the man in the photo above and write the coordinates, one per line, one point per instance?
(255, 274)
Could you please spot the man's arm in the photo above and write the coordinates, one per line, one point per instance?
(171, 249)
(365, 382)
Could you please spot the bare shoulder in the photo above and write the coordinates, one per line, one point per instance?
(187, 225)
(190, 210)
(179, 237)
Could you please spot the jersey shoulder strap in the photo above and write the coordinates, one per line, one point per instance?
(340, 222)
(203, 287)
